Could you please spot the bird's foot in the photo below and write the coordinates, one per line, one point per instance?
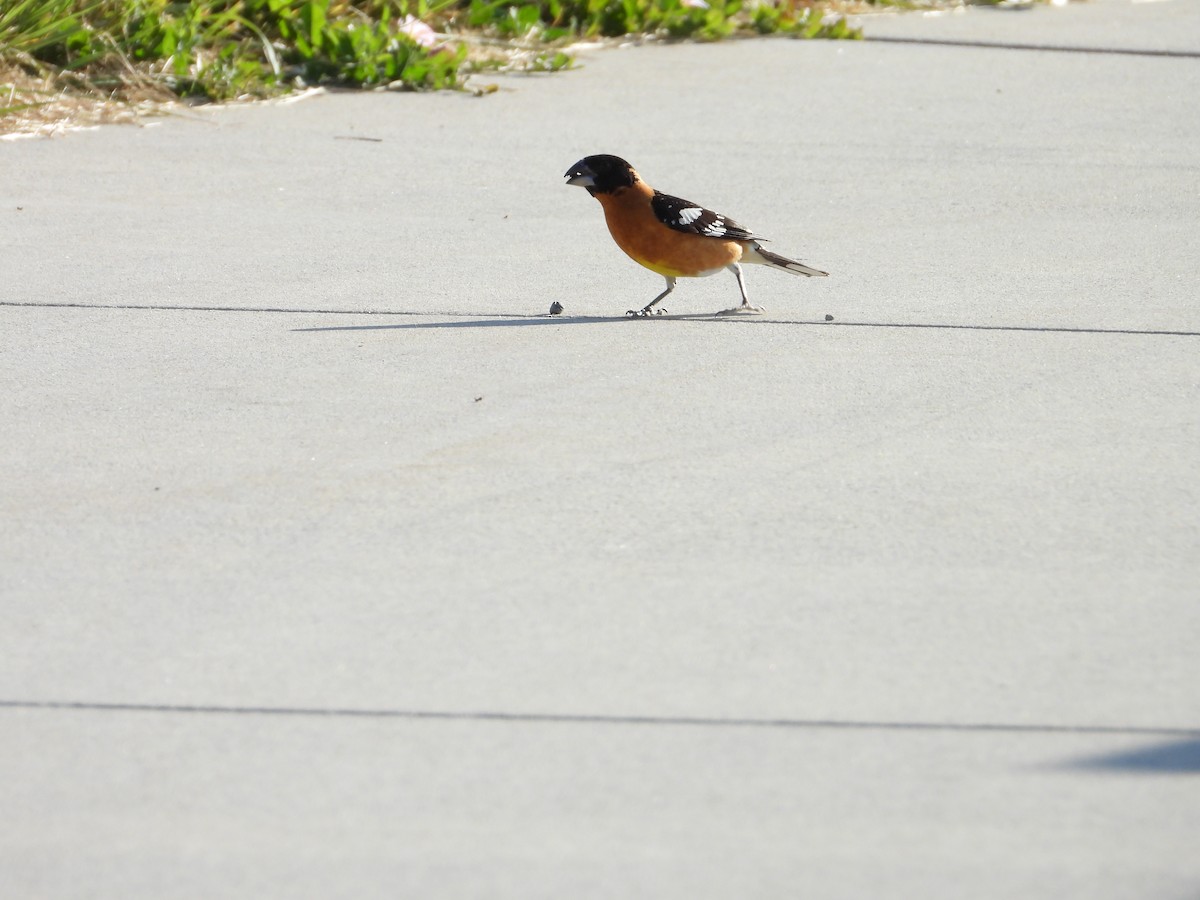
(644, 313)
(744, 310)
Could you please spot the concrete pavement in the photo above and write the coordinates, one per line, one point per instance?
(330, 568)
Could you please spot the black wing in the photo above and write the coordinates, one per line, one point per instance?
(684, 215)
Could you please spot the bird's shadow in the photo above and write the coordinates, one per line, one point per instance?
(476, 321)
(526, 321)
(1177, 757)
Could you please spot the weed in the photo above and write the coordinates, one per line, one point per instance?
(223, 49)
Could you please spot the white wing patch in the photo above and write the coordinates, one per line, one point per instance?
(689, 217)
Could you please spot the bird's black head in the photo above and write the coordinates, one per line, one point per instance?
(601, 174)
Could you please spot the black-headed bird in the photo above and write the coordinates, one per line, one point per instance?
(673, 237)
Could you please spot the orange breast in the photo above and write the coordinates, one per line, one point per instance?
(658, 247)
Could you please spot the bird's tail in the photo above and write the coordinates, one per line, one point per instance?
(756, 253)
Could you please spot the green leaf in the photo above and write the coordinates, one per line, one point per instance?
(312, 18)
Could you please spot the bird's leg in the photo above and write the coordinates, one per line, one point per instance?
(745, 307)
(645, 311)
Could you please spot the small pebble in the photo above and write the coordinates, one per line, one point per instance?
(556, 308)
(828, 318)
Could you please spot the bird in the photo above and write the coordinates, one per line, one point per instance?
(674, 237)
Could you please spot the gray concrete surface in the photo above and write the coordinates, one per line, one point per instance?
(329, 569)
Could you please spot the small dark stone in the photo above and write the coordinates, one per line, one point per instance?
(828, 318)
(556, 308)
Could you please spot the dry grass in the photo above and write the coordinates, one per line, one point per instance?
(37, 101)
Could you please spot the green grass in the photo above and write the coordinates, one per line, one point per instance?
(225, 49)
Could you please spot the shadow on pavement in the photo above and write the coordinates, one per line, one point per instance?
(711, 317)
(469, 320)
(1172, 758)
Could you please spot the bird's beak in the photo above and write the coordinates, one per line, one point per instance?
(581, 175)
